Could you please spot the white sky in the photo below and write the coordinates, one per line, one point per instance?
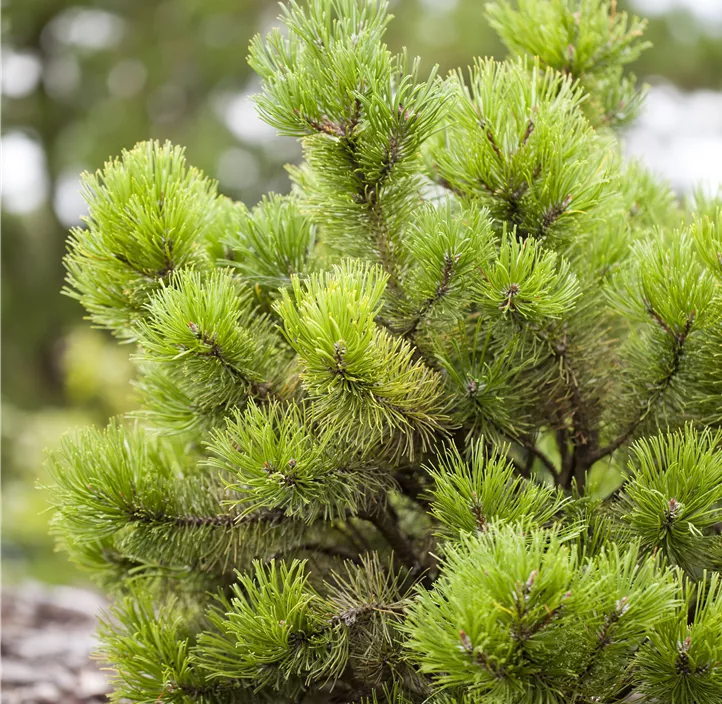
(706, 10)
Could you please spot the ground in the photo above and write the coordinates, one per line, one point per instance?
(47, 642)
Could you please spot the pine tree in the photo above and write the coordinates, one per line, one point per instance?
(441, 425)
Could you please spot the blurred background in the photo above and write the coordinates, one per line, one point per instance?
(83, 79)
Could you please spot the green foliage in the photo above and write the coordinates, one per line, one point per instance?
(651, 202)
(276, 463)
(275, 631)
(354, 368)
(446, 247)
(122, 496)
(669, 287)
(572, 37)
(327, 41)
(154, 647)
(216, 354)
(673, 496)
(673, 299)
(381, 415)
(483, 377)
(467, 497)
(521, 616)
(105, 477)
(586, 39)
(149, 216)
(362, 114)
(526, 282)
(681, 661)
(272, 242)
(168, 409)
(707, 236)
(538, 168)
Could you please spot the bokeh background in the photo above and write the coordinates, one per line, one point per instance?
(83, 79)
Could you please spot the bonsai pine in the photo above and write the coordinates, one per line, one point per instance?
(442, 424)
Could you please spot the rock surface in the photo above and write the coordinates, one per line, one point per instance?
(47, 640)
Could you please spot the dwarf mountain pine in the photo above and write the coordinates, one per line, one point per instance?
(442, 424)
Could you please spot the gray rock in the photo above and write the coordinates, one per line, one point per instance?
(16, 672)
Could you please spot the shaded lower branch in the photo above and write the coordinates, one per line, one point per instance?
(386, 522)
(531, 447)
(222, 520)
(679, 340)
(410, 486)
(336, 551)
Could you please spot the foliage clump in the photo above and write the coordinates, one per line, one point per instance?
(440, 425)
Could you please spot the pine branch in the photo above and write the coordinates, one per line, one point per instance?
(441, 290)
(217, 689)
(368, 195)
(338, 552)
(604, 638)
(552, 214)
(224, 520)
(678, 345)
(531, 447)
(385, 521)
